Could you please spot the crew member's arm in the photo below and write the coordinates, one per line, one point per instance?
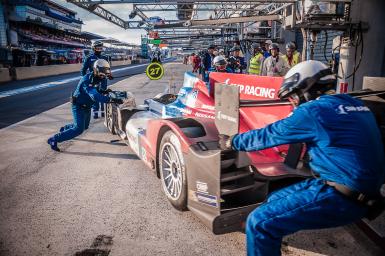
(96, 96)
(299, 127)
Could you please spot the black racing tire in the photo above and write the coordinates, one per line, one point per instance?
(172, 171)
(110, 121)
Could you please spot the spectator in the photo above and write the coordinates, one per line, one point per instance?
(207, 62)
(256, 61)
(196, 63)
(275, 65)
(289, 57)
(266, 49)
(237, 63)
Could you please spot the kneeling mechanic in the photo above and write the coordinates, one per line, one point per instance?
(85, 95)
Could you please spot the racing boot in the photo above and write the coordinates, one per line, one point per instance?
(53, 144)
(96, 115)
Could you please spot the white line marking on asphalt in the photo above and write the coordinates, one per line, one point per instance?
(53, 84)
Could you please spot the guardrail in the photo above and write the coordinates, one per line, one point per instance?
(22, 73)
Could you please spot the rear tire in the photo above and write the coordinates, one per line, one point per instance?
(172, 171)
(110, 121)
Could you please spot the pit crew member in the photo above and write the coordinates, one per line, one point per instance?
(97, 47)
(346, 152)
(85, 95)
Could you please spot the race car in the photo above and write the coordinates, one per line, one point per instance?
(176, 135)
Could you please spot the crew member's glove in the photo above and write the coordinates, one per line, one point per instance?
(114, 100)
(108, 90)
(110, 77)
(224, 142)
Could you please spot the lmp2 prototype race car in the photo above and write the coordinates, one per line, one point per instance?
(176, 135)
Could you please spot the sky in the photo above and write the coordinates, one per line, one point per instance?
(97, 25)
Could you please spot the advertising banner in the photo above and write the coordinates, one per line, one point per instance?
(251, 87)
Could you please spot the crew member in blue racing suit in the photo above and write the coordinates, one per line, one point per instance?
(237, 63)
(345, 148)
(85, 95)
(87, 67)
(207, 60)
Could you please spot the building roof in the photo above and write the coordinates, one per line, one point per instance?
(60, 7)
(91, 36)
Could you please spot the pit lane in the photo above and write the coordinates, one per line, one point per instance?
(60, 203)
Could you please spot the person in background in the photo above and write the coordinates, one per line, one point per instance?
(296, 53)
(275, 65)
(265, 48)
(220, 65)
(256, 61)
(289, 57)
(196, 63)
(97, 48)
(236, 62)
(207, 62)
(87, 92)
(191, 60)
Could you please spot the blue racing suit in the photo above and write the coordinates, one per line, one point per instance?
(266, 54)
(85, 96)
(206, 66)
(344, 145)
(237, 64)
(88, 68)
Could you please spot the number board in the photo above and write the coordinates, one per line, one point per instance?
(155, 71)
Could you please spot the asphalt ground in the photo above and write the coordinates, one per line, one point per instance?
(55, 90)
(98, 197)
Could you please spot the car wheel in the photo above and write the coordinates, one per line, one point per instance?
(173, 171)
(110, 119)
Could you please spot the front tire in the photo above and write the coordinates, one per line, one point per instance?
(110, 122)
(172, 171)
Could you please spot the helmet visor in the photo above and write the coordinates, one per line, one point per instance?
(98, 48)
(221, 68)
(104, 71)
(288, 86)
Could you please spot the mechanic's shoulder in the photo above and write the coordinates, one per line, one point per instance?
(309, 107)
(86, 79)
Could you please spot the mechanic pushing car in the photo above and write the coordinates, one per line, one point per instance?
(88, 63)
(85, 95)
(346, 152)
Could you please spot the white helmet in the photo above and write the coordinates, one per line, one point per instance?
(219, 61)
(307, 79)
(102, 68)
(268, 41)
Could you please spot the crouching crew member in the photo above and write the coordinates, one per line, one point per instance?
(97, 48)
(85, 95)
(345, 148)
